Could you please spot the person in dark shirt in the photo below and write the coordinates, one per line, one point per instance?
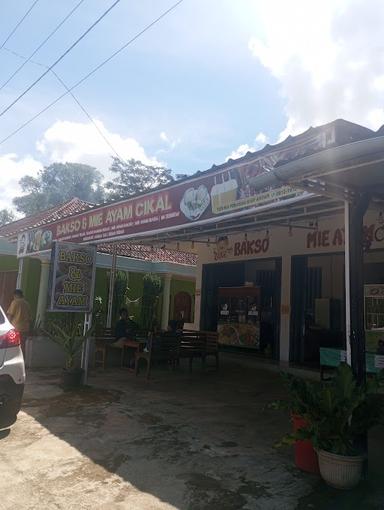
(125, 328)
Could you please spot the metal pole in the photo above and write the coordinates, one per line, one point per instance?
(347, 282)
(357, 210)
(86, 346)
(112, 278)
(20, 273)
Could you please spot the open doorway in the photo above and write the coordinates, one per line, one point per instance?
(317, 306)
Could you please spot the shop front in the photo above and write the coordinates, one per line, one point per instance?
(286, 238)
(280, 293)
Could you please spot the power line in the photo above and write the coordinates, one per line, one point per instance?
(88, 115)
(18, 24)
(27, 59)
(59, 59)
(91, 72)
(81, 106)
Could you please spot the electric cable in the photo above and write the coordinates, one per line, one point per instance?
(94, 70)
(59, 59)
(27, 59)
(18, 24)
(81, 106)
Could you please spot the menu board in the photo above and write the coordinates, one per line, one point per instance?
(72, 277)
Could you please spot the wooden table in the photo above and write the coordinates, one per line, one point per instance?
(135, 346)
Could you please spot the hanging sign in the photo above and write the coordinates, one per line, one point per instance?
(34, 241)
(208, 196)
(72, 277)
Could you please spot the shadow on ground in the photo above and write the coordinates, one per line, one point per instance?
(195, 442)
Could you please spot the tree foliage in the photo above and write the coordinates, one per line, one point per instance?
(58, 183)
(6, 216)
(135, 177)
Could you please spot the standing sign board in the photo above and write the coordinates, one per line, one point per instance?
(72, 277)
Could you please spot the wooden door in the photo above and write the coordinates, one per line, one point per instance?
(182, 309)
(7, 287)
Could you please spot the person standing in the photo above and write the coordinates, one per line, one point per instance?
(19, 314)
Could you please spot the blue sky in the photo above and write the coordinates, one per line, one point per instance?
(213, 79)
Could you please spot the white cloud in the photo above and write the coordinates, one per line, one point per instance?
(81, 143)
(12, 169)
(171, 142)
(240, 151)
(260, 140)
(327, 57)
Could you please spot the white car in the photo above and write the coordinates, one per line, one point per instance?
(12, 372)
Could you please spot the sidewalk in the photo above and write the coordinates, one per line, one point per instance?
(190, 442)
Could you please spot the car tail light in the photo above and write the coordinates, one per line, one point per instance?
(10, 339)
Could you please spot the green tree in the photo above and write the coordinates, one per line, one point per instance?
(135, 177)
(57, 183)
(6, 216)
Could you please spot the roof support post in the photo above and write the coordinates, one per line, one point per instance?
(112, 277)
(354, 284)
(20, 273)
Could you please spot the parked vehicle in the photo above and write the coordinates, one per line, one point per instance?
(12, 372)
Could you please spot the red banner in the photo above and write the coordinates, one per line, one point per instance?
(209, 196)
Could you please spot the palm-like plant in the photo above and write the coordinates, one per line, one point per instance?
(69, 334)
(339, 411)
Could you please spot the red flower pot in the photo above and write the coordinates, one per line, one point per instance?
(305, 455)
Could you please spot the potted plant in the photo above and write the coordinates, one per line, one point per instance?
(302, 395)
(68, 333)
(339, 412)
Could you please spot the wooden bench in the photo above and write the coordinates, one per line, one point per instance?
(211, 346)
(101, 343)
(161, 348)
(199, 344)
(106, 340)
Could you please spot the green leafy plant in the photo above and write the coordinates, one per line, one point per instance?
(338, 411)
(120, 292)
(98, 317)
(152, 288)
(68, 333)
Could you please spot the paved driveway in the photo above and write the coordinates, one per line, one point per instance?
(178, 441)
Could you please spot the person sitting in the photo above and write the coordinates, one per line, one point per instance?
(125, 329)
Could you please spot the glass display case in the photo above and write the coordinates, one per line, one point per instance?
(239, 316)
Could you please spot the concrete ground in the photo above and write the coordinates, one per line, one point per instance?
(195, 442)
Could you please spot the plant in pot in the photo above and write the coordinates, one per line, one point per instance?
(300, 404)
(68, 333)
(339, 413)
